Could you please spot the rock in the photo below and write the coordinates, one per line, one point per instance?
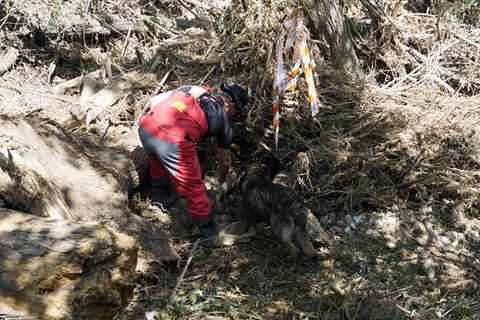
(452, 256)
(452, 235)
(428, 269)
(419, 228)
(464, 252)
(391, 244)
(439, 244)
(461, 237)
(446, 241)
(472, 234)
(428, 224)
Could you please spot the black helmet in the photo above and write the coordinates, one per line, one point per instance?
(239, 95)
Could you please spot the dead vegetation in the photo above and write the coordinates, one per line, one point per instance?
(399, 152)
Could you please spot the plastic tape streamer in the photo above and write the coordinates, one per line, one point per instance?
(296, 39)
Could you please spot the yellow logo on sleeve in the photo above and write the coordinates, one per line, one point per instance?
(179, 105)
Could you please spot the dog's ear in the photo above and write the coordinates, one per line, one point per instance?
(257, 168)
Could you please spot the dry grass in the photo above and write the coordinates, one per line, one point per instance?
(404, 145)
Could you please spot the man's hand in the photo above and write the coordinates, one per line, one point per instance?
(215, 188)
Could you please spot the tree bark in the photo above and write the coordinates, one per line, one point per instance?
(326, 21)
(92, 183)
(95, 24)
(32, 191)
(8, 60)
(54, 269)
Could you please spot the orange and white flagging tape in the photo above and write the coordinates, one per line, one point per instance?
(295, 32)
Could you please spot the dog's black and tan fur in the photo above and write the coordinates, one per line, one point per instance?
(280, 206)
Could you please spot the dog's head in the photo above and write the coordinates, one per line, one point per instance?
(254, 174)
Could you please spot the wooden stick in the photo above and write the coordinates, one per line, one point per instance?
(108, 68)
(207, 75)
(8, 60)
(186, 7)
(182, 275)
(147, 105)
(89, 83)
(52, 67)
(139, 55)
(125, 45)
(75, 82)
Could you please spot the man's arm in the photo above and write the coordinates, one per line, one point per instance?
(224, 163)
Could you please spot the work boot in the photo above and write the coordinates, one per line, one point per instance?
(160, 198)
(207, 229)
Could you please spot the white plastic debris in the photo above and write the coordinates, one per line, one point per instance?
(395, 208)
(356, 220)
(150, 315)
(391, 220)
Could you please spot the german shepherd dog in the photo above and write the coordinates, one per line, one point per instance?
(280, 206)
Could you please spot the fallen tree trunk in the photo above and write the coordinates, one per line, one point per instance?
(75, 82)
(96, 24)
(32, 191)
(54, 269)
(100, 103)
(92, 105)
(92, 182)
